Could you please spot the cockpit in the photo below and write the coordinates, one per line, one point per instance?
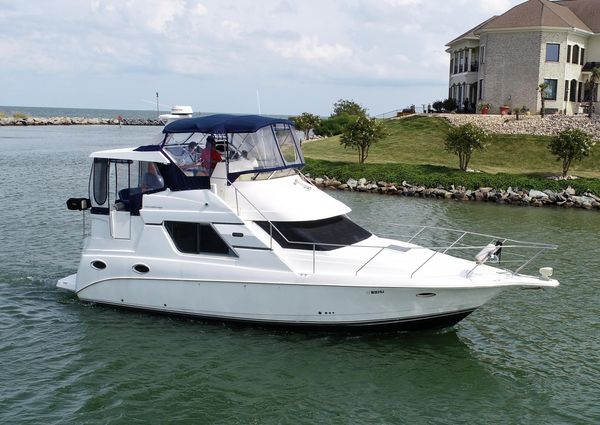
(244, 146)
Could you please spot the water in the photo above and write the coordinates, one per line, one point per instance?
(526, 357)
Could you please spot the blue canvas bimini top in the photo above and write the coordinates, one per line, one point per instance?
(223, 124)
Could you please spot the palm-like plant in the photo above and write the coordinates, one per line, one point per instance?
(592, 89)
(542, 89)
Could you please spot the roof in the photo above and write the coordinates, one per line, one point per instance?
(587, 10)
(471, 33)
(223, 123)
(539, 13)
(132, 154)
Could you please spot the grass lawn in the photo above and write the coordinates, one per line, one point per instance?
(420, 141)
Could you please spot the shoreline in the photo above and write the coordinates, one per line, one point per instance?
(38, 121)
(567, 198)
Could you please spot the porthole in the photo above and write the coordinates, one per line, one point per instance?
(426, 294)
(98, 265)
(141, 268)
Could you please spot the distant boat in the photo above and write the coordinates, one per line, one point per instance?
(215, 221)
(177, 112)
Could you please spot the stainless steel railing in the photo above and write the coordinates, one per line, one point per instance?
(514, 255)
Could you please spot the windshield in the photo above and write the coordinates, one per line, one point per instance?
(273, 147)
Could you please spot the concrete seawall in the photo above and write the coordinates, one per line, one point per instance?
(12, 121)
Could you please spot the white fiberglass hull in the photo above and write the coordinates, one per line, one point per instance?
(294, 304)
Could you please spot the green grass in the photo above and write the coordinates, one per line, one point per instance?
(440, 176)
(420, 141)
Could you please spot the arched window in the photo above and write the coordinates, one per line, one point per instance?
(573, 91)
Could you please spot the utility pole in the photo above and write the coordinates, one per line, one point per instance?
(157, 109)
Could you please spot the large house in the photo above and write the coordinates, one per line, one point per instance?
(503, 60)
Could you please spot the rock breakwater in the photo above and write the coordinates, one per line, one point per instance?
(567, 198)
(28, 121)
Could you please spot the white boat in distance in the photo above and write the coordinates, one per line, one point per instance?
(216, 221)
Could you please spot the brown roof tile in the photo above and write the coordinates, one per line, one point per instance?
(538, 13)
(587, 10)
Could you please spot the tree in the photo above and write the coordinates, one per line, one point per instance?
(349, 107)
(592, 90)
(334, 125)
(449, 105)
(306, 122)
(571, 145)
(542, 89)
(463, 140)
(361, 134)
(438, 105)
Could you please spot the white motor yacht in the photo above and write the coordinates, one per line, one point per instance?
(216, 221)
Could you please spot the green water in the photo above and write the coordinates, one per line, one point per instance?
(528, 357)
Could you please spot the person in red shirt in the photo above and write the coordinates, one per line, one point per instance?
(210, 156)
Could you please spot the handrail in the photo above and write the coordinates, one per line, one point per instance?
(455, 245)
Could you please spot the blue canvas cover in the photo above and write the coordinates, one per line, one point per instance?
(223, 124)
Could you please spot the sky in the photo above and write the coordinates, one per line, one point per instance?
(237, 56)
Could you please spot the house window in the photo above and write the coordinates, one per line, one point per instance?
(196, 238)
(462, 61)
(552, 52)
(575, 58)
(573, 90)
(579, 91)
(569, 53)
(480, 90)
(550, 92)
(566, 90)
(582, 57)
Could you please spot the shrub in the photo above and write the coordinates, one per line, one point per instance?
(449, 105)
(361, 134)
(2, 115)
(463, 140)
(438, 105)
(20, 115)
(571, 145)
(334, 125)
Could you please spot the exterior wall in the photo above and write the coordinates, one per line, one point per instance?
(593, 49)
(466, 78)
(510, 71)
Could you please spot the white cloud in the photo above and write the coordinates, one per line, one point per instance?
(309, 48)
(332, 47)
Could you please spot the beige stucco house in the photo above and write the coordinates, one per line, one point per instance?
(504, 59)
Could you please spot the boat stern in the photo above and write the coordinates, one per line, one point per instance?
(68, 283)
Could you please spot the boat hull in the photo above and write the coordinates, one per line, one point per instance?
(294, 305)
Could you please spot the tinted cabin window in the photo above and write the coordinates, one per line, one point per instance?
(196, 238)
(100, 180)
(338, 230)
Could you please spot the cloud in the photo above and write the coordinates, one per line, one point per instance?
(323, 45)
(309, 48)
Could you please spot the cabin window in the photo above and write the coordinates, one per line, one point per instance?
(100, 180)
(151, 179)
(326, 235)
(196, 238)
